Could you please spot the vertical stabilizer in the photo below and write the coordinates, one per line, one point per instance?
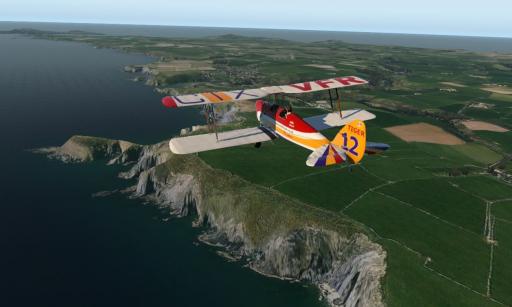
(352, 139)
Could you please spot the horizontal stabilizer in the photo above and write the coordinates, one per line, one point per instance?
(205, 142)
(375, 148)
(331, 120)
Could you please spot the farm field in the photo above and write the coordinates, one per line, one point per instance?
(432, 220)
(502, 268)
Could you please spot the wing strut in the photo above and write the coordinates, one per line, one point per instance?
(211, 121)
(338, 99)
(330, 100)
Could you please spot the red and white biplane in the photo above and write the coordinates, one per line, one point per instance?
(279, 121)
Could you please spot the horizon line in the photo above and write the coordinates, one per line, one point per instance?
(251, 28)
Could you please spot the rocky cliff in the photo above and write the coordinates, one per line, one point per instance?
(276, 235)
(87, 148)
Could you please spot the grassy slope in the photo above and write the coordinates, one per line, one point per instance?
(264, 212)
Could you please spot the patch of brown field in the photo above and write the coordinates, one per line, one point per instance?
(425, 133)
(182, 65)
(497, 55)
(483, 126)
(453, 84)
(326, 67)
(162, 45)
(498, 89)
(481, 105)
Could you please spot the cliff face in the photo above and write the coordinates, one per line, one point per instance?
(86, 148)
(276, 235)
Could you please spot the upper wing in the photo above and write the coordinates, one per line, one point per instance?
(204, 142)
(212, 97)
(331, 120)
(229, 96)
(313, 86)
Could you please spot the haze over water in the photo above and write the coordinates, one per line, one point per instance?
(470, 43)
(62, 247)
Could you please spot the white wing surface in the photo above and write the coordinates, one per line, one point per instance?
(313, 86)
(205, 142)
(249, 94)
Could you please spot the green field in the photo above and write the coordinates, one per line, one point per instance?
(410, 283)
(486, 187)
(502, 266)
(452, 205)
(457, 253)
(503, 210)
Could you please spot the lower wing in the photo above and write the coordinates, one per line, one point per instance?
(205, 142)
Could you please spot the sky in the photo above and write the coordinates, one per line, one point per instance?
(450, 17)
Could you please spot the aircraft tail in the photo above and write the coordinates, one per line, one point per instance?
(349, 143)
(352, 139)
(325, 156)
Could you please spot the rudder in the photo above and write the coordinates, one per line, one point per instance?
(352, 139)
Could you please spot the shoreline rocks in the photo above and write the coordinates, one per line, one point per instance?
(273, 234)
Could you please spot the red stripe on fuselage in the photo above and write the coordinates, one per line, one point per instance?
(289, 120)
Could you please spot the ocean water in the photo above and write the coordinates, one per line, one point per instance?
(477, 44)
(59, 246)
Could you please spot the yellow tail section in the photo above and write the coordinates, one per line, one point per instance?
(352, 139)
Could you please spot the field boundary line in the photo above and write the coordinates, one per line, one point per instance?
(428, 213)
(501, 200)
(432, 270)
(489, 277)
(363, 195)
(463, 285)
(455, 185)
(389, 182)
(372, 174)
(503, 220)
(308, 175)
(419, 158)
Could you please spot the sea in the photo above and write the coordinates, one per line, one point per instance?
(62, 246)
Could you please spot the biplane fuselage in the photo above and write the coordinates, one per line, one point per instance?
(349, 144)
(289, 125)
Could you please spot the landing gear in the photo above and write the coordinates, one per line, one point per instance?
(257, 145)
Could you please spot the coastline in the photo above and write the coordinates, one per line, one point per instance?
(179, 183)
(369, 38)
